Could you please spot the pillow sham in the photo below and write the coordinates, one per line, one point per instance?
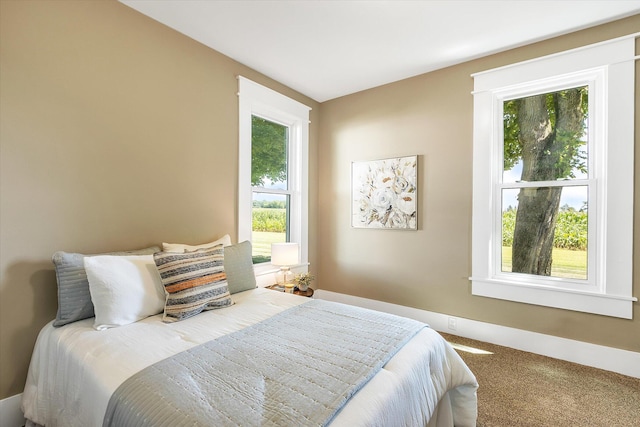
(179, 247)
(238, 266)
(193, 282)
(124, 289)
(74, 298)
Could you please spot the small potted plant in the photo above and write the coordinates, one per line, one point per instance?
(303, 281)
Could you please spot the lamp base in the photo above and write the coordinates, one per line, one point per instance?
(284, 275)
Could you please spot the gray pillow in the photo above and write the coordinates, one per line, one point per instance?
(238, 265)
(74, 299)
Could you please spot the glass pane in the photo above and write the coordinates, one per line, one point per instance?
(270, 224)
(544, 231)
(545, 136)
(269, 143)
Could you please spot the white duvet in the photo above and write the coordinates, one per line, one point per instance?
(75, 369)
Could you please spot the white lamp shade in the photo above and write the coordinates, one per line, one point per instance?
(285, 254)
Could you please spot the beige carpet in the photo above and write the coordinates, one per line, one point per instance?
(524, 389)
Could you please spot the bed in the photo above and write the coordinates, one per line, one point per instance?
(77, 372)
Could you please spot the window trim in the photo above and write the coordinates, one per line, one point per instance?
(255, 99)
(612, 169)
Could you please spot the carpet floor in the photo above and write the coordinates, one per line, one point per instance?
(523, 389)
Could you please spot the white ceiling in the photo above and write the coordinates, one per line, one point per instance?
(327, 49)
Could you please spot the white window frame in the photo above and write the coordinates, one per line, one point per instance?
(608, 69)
(258, 100)
(594, 79)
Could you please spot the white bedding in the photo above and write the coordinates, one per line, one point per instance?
(75, 369)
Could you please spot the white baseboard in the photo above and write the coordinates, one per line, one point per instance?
(10, 412)
(608, 358)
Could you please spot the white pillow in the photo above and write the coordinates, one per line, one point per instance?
(124, 289)
(179, 247)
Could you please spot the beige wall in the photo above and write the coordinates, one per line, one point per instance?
(431, 115)
(116, 133)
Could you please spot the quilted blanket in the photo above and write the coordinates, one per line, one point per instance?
(296, 368)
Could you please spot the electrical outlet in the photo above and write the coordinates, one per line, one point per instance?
(453, 323)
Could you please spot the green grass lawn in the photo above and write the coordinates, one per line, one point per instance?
(567, 263)
(261, 243)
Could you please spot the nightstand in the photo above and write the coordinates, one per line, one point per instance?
(308, 293)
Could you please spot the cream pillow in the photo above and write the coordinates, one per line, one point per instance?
(181, 248)
(124, 289)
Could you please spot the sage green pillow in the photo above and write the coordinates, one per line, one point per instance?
(238, 265)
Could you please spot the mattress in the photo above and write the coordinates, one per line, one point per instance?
(75, 369)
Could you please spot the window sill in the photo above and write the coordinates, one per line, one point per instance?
(568, 299)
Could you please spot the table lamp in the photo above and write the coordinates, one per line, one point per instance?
(284, 255)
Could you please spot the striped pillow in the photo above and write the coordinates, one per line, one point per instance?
(193, 282)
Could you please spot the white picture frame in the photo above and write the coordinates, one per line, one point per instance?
(385, 193)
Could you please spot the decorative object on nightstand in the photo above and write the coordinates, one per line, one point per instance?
(308, 293)
(303, 281)
(284, 255)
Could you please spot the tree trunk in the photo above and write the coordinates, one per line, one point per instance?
(544, 153)
(535, 230)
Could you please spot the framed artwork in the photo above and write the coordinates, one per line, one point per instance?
(384, 193)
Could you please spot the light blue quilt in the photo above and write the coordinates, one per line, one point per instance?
(297, 368)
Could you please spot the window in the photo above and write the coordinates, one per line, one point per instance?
(553, 180)
(544, 185)
(273, 160)
(271, 194)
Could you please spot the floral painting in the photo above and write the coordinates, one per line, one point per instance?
(385, 193)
